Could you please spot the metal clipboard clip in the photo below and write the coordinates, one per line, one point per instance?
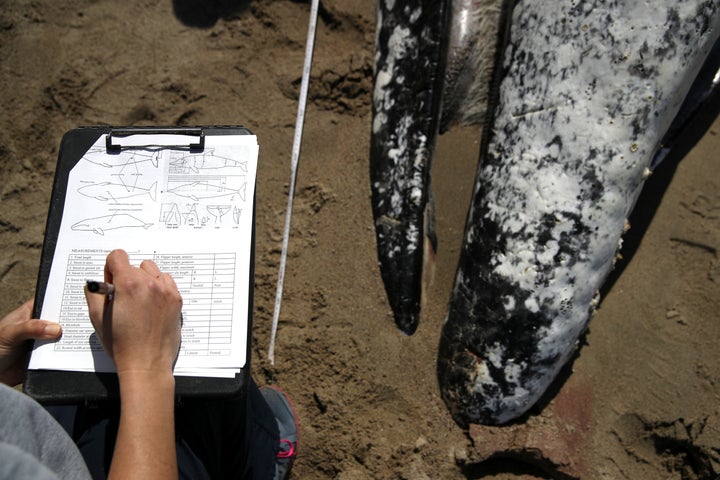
(118, 133)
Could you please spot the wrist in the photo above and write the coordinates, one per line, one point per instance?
(133, 382)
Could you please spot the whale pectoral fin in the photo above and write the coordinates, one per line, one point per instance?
(409, 60)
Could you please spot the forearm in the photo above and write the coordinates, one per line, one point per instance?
(145, 446)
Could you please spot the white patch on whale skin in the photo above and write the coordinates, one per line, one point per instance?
(400, 44)
(401, 182)
(482, 377)
(512, 372)
(509, 303)
(494, 354)
(532, 305)
(394, 251)
(379, 122)
(415, 15)
(605, 123)
(396, 200)
(416, 195)
(413, 238)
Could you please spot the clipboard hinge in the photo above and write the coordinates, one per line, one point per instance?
(116, 133)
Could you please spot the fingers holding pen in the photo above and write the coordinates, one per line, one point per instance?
(117, 261)
(165, 281)
(151, 268)
(139, 326)
(163, 285)
(96, 304)
(100, 307)
(118, 270)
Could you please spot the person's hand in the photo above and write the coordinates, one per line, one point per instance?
(15, 328)
(139, 327)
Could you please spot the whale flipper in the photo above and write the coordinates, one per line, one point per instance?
(409, 62)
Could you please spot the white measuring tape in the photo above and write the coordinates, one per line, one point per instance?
(297, 140)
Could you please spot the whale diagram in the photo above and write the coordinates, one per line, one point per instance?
(102, 224)
(105, 191)
(205, 161)
(209, 188)
(130, 158)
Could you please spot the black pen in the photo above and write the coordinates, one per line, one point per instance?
(100, 287)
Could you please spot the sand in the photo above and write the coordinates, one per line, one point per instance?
(640, 401)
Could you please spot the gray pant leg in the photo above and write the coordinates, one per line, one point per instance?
(16, 463)
(26, 425)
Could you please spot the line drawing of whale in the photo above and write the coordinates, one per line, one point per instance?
(123, 160)
(587, 100)
(207, 161)
(100, 225)
(204, 189)
(105, 191)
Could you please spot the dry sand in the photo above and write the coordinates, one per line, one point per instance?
(642, 399)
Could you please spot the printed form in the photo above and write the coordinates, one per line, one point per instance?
(191, 213)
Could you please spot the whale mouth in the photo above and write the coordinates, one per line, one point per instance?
(580, 106)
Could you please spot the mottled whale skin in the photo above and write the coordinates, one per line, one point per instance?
(425, 52)
(588, 89)
(408, 65)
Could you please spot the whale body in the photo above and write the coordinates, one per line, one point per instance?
(584, 97)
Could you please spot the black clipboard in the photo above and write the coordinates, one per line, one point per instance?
(55, 387)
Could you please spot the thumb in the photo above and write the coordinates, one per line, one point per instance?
(14, 335)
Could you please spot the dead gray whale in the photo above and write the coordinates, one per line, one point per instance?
(583, 99)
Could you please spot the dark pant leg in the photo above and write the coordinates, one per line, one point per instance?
(94, 434)
(262, 439)
(233, 438)
(97, 428)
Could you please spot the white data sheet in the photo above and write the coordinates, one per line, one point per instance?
(191, 213)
